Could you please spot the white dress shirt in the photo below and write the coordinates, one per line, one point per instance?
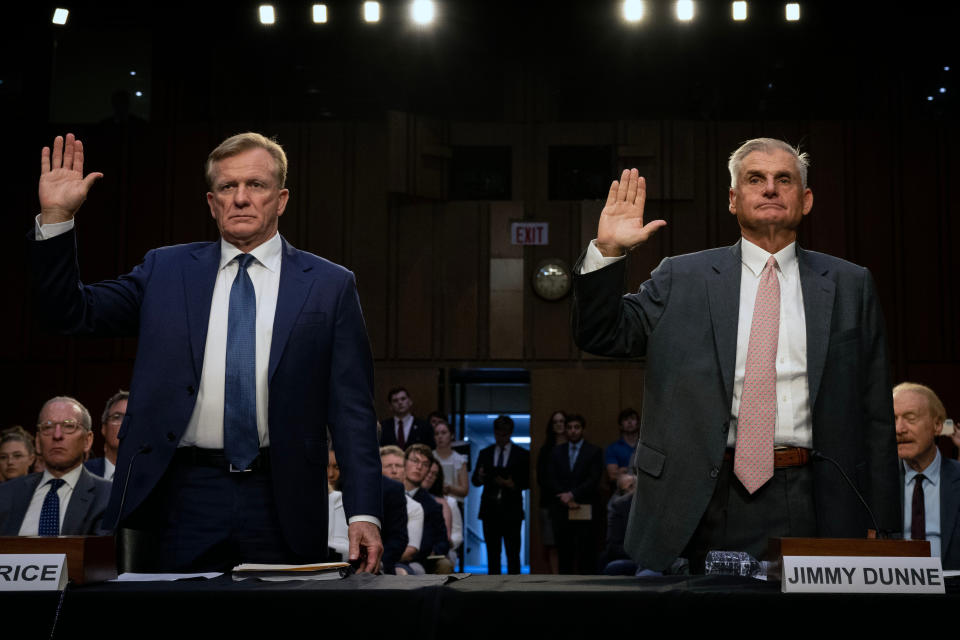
(31, 519)
(501, 456)
(337, 538)
(794, 425)
(205, 428)
(108, 469)
(414, 523)
(406, 423)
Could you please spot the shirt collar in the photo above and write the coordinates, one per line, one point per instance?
(70, 477)
(267, 254)
(756, 258)
(931, 473)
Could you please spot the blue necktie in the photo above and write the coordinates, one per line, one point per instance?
(241, 442)
(574, 449)
(50, 512)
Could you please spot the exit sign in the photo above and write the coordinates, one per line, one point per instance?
(529, 233)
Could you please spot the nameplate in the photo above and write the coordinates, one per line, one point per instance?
(33, 572)
(852, 574)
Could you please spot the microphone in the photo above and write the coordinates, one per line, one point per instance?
(816, 454)
(132, 545)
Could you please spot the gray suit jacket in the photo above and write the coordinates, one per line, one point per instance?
(684, 320)
(84, 512)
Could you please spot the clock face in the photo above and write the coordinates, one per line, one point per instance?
(551, 279)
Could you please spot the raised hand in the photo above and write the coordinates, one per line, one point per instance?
(621, 225)
(62, 185)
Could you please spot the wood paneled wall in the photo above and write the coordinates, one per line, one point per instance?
(442, 287)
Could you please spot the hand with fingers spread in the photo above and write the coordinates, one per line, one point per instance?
(63, 188)
(621, 225)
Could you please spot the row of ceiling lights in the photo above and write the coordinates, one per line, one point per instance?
(425, 11)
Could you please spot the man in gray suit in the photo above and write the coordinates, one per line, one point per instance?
(931, 483)
(65, 499)
(757, 355)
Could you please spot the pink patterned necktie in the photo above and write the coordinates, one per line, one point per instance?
(753, 460)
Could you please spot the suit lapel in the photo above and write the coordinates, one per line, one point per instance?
(293, 293)
(818, 294)
(723, 294)
(79, 504)
(949, 502)
(199, 278)
(21, 501)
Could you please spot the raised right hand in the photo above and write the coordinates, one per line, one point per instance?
(621, 225)
(62, 185)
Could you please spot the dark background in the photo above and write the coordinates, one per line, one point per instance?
(412, 149)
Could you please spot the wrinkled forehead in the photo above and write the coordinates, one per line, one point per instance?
(60, 411)
(769, 161)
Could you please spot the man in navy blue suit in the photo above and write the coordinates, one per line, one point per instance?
(248, 351)
(110, 421)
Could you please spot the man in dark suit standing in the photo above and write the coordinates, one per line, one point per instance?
(576, 467)
(249, 350)
(931, 483)
(403, 428)
(65, 499)
(503, 470)
(113, 413)
(756, 354)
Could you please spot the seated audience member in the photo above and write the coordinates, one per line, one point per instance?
(403, 429)
(416, 463)
(391, 459)
(451, 512)
(333, 472)
(113, 414)
(931, 482)
(614, 560)
(454, 464)
(65, 499)
(619, 453)
(16, 453)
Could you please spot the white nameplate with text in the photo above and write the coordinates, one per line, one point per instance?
(33, 571)
(851, 574)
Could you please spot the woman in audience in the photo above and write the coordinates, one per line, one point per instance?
(452, 517)
(454, 464)
(333, 472)
(556, 435)
(16, 453)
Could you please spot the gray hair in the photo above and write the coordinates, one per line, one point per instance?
(114, 399)
(766, 145)
(241, 142)
(85, 420)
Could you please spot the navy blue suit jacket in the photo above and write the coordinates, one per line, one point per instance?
(434, 530)
(320, 372)
(96, 466)
(84, 512)
(394, 527)
(949, 509)
(420, 432)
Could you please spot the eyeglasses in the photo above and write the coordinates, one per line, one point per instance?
(68, 427)
(115, 417)
(419, 462)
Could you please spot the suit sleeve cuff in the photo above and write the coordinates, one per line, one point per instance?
(375, 521)
(47, 231)
(594, 260)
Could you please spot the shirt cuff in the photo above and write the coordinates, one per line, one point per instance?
(47, 231)
(595, 260)
(365, 519)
